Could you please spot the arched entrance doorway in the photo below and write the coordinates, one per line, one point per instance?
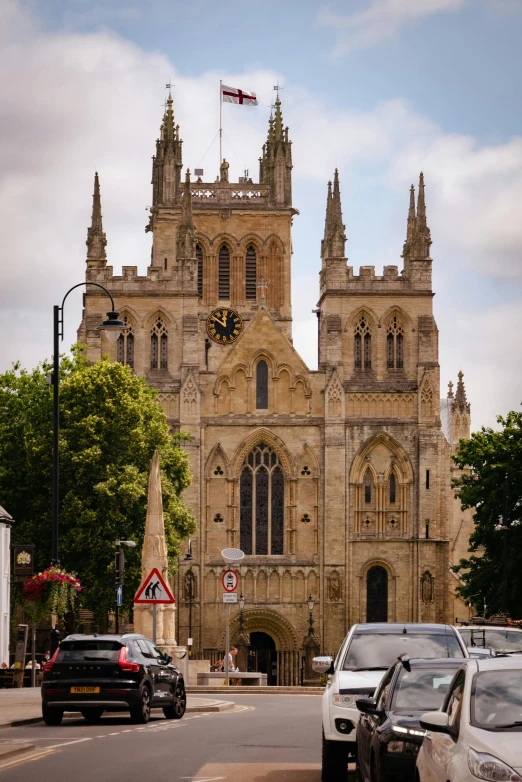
(377, 594)
(262, 656)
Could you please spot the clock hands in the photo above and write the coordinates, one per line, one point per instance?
(221, 322)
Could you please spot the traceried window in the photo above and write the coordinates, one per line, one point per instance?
(125, 346)
(224, 272)
(250, 272)
(262, 385)
(363, 345)
(159, 346)
(393, 489)
(199, 256)
(367, 487)
(395, 344)
(262, 502)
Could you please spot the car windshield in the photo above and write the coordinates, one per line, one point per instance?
(496, 699)
(88, 651)
(421, 689)
(492, 638)
(380, 650)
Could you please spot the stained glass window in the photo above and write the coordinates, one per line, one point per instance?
(245, 515)
(262, 502)
(125, 345)
(250, 273)
(224, 273)
(158, 346)
(367, 351)
(394, 342)
(400, 361)
(357, 351)
(389, 351)
(120, 349)
(393, 488)
(368, 488)
(130, 350)
(199, 256)
(164, 352)
(362, 341)
(262, 385)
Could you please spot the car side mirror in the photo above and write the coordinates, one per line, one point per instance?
(367, 705)
(436, 721)
(167, 658)
(323, 664)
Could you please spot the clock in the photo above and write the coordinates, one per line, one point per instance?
(224, 325)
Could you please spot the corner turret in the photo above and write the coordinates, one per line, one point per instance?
(96, 239)
(167, 162)
(275, 165)
(334, 242)
(459, 413)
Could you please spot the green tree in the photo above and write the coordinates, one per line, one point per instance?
(492, 486)
(110, 425)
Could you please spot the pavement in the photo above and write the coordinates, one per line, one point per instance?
(262, 738)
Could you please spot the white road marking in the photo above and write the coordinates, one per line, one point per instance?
(66, 743)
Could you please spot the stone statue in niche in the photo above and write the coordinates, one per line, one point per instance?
(223, 171)
(334, 588)
(427, 587)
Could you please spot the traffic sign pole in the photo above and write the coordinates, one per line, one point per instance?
(227, 644)
(154, 622)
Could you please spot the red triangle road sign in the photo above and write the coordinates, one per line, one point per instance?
(154, 590)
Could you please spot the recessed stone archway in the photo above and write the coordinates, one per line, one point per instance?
(263, 620)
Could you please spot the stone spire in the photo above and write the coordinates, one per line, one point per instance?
(460, 414)
(275, 165)
(460, 395)
(167, 162)
(410, 230)
(333, 244)
(186, 241)
(418, 236)
(96, 239)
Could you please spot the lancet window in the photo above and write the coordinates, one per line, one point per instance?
(159, 346)
(125, 346)
(363, 345)
(392, 489)
(224, 272)
(395, 344)
(199, 256)
(262, 494)
(250, 272)
(262, 385)
(367, 487)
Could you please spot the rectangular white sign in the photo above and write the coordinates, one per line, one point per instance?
(230, 597)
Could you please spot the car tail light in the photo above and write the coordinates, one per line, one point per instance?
(124, 664)
(48, 667)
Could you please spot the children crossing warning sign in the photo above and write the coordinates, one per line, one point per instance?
(154, 590)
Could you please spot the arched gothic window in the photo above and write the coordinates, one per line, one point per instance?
(159, 346)
(250, 273)
(395, 344)
(224, 272)
(262, 498)
(363, 345)
(377, 594)
(199, 256)
(393, 489)
(262, 385)
(125, 346)
(367, 487)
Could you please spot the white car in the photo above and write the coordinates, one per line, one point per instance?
(477, 734)
(365, 655)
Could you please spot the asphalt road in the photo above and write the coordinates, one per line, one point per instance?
(275, 738)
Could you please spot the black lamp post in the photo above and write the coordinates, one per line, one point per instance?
(311, 603)
(190, 592)
(119, 566)
(241, 615)
(113, 327)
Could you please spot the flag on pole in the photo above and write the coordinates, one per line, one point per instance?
(234, 95)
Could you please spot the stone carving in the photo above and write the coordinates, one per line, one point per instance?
(426, 401)
(223, 171)
(380, 405)
(334, 587)
(427, 582)
(190, 397)
(335, 393)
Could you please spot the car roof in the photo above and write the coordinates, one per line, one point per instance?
(498, 663)
(435, 662)
(396, 628)
(490, 627)
(102, 636)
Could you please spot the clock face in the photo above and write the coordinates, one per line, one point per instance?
(224, 325)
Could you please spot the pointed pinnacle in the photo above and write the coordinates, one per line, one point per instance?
(278, 120)
(169, 129)
(460, 396)
(96, 222)
(421, 204)
(410, 232)
(450, 390)
(96, 239)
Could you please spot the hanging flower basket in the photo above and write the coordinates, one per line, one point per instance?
(51, 592)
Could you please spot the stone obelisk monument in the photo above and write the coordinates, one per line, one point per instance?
(154, 555)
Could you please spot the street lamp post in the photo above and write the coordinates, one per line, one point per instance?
(310, 646)
(119, 564)
(311, 603)
(190, 584)
(113, 327)
(241, 616)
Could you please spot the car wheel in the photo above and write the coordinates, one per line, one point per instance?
(177, 710)
(140, 714)
(52, 716)
(334, 761)
(92, 715)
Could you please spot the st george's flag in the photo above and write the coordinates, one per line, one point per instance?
(234, 95)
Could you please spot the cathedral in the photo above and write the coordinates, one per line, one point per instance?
(335, 482)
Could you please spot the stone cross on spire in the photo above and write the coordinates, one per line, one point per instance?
(96, 239)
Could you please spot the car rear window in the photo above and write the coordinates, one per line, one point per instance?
(421, 689)
(380, 650)
(497, 638)
(88, 651)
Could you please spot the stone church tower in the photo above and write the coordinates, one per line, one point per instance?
(335, 482)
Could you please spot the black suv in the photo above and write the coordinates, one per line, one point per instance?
(96, 673)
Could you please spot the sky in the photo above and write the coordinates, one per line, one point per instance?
(380, 89)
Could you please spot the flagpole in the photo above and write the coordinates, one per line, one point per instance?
(220, 123)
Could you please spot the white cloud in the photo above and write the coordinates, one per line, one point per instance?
(382, 19)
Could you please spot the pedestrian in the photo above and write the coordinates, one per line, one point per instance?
(30, 665)
(231, 655)
(4, 666)
(47, 656)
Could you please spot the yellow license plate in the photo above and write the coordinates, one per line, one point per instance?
(85, 690)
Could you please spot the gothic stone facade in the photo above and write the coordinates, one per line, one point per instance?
(335, 482)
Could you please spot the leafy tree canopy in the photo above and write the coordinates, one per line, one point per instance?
(110, 425)
(492, 485)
